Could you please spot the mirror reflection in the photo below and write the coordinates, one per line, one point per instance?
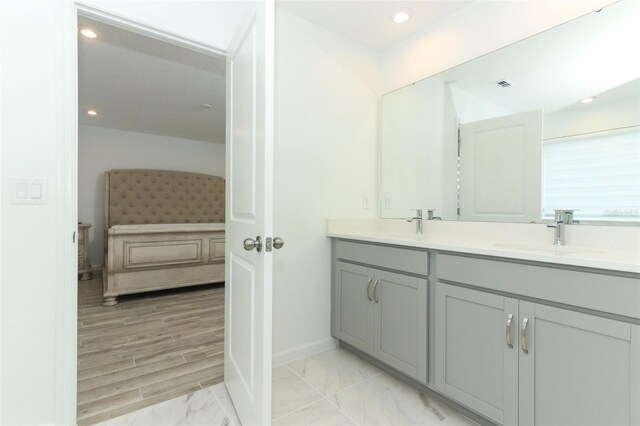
(551, 122)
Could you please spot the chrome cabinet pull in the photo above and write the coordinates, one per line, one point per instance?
(369, 290)
(523, 335)
(375, 291)
(509, 320)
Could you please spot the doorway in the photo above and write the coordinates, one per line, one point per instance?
(151, 168)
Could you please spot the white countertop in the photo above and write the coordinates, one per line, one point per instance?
(518, 242)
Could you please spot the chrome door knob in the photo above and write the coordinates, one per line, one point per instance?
(250, 244)
(278, 243)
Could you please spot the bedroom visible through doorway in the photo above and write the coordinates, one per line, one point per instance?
(151, 212)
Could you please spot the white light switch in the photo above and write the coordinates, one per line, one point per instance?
(28, 191)
(22, 191)
(36, 190)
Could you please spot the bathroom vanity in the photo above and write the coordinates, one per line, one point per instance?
(515, 339)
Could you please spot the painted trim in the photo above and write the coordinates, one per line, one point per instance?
(66, 140)
(313, 348)
(127, 24)
(1, 208)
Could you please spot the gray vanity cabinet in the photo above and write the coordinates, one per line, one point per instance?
(474, 364)
(550, 366)
(400, 323)
(353, 307)
(382, 312)
(578, 369)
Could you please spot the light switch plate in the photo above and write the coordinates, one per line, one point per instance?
(365, 202)
(28, 191)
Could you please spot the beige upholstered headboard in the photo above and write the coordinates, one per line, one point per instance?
(139, 196)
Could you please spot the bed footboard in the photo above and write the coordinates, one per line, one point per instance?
(144, 258)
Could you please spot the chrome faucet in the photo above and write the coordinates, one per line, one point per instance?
(561, 218)
(418, 219)
(430, 215)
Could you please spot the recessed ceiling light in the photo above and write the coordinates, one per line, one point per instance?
(588, 100)
(402, 15)
(92, 112)
(88, 32)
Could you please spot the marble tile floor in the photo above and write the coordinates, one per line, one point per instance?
(147, 349)
(327, 389)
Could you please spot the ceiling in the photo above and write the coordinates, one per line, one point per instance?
(369, 23)
(556, 69)
(140, 84)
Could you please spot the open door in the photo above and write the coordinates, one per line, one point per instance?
(249, 189)
(501, 169)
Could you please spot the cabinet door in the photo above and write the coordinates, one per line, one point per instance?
(474, 363)
(400, 318)
(354, 309)
(578, 369)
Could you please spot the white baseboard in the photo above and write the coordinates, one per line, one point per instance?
(284, 357)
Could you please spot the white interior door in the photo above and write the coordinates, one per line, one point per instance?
(501, 169)
(249, 189)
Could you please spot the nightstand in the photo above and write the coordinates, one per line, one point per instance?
(84, 265)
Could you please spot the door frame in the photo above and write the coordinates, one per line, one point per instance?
(66, 198)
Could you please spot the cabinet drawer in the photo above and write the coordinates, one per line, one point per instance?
(590, 290)
(399, 259)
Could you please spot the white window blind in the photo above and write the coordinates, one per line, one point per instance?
(598, 174)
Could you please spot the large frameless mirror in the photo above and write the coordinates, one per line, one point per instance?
(551, 122)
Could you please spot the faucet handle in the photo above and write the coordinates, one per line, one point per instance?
(564, 215)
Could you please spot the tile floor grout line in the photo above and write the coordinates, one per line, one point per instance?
(298, 409)
(342, 412)
(326, 397)
(335, 393)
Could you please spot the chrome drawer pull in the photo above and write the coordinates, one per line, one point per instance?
(368, 290)
(509, 320)
(523, 335)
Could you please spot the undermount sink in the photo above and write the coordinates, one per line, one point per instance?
(549, 248)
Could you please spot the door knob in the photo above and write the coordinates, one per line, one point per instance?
(278, 243)
(250, 244)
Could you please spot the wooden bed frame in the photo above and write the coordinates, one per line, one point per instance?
(163, 229)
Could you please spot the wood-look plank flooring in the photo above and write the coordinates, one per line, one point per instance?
(148, 348)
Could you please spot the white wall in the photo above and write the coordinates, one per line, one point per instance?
(35, 295)
(101, 149)
(31, 107)
(325, 162)
(480, 28)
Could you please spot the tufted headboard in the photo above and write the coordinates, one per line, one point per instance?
(138, 196)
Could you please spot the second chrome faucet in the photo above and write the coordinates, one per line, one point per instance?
(561, 218)
(418, 219)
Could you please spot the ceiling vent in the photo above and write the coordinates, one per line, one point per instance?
(504, 83)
